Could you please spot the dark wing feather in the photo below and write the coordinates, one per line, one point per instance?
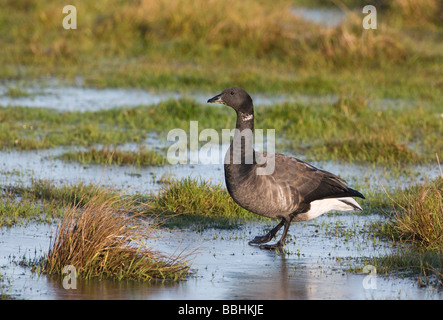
(308, 181)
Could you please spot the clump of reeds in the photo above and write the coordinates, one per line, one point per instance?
(103, 239)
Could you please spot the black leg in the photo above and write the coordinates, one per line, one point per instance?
(280, 244)
(269, 236)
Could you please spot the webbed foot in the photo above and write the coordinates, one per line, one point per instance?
(261, 240)
(276, 246)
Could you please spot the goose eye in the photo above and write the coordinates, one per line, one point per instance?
(232, 93)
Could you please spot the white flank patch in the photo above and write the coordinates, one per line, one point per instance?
(318, 207)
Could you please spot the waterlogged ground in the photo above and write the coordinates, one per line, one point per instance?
(320, 256)
(315, 266)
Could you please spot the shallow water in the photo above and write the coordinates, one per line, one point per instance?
(21, 167)
(77, 98)
(67, 98)
(329, 17)
(226, 267)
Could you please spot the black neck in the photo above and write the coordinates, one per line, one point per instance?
(243, 141)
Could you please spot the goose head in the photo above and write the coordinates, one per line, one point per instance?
(236, 98)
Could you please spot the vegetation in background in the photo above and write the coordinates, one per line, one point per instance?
(259, 45)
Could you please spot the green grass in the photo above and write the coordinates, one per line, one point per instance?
(418, 216)
(193, 202)
(25, 128)
(426, 266)
(17, 211)
(346, 130)
(115, 156)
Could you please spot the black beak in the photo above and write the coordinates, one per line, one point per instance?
(216, 99)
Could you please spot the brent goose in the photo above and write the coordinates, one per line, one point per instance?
(294, 191)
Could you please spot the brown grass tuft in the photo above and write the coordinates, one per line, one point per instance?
(101, 241)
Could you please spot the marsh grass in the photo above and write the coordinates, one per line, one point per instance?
(101, 241)
(370, 149)
(25, 128)
(115, 156)
(18, 210)
(66, 195)
(347, 130)
(197, 203)
(341, 130)
(427, 266)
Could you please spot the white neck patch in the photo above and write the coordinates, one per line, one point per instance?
(245, 117)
